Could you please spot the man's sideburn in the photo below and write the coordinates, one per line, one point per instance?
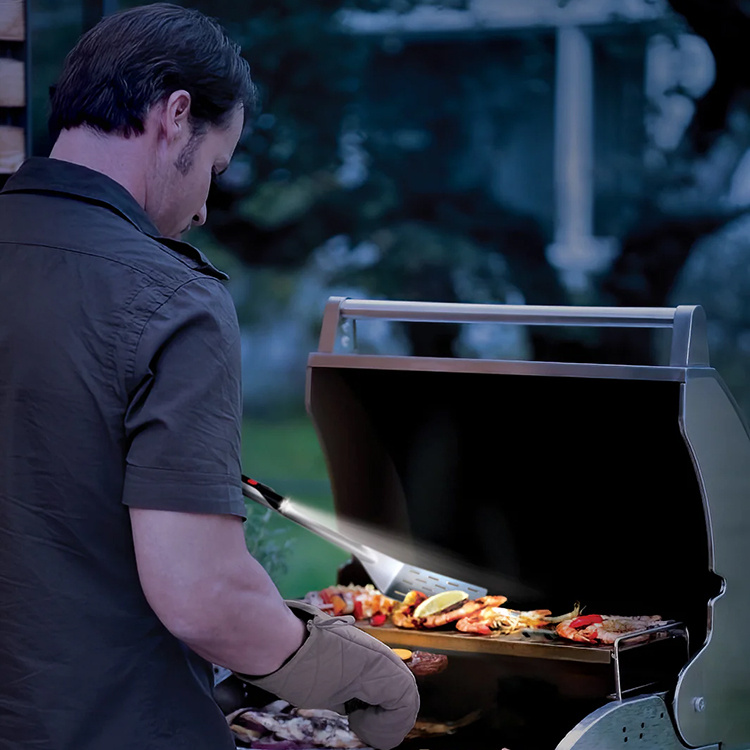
(184, 162)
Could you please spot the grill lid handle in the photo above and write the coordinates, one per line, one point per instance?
(688, 322)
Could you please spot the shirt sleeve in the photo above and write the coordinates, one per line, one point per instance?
(183, 422)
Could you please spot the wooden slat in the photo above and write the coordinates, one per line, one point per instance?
(12, 21)
(12, 89)
(12, 148)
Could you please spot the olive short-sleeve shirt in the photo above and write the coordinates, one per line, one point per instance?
(119, 386)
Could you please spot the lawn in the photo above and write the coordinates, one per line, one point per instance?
(286, 455)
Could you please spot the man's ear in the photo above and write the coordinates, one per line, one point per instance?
(176, 121)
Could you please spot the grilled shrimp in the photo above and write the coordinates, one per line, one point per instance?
(605, 628)
(584, 629)
(614, 626)
(498, 620)
(466, 609)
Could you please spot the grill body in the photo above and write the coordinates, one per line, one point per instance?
(624, 487)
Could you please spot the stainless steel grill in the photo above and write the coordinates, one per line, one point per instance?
(624, 487)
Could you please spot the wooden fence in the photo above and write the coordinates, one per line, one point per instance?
(13, 88)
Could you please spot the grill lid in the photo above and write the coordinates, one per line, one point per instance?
(621, 486)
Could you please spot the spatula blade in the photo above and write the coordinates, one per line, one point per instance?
(411, 578)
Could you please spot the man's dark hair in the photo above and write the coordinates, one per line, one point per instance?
(136, 58)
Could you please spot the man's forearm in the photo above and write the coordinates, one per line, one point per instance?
(246, 630)
(204, 585)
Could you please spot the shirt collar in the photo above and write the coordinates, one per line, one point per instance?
(54, 176)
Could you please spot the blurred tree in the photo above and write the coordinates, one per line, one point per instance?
(725, 25)
(685, 198)
(296, 180)
(288, 190)
(282, 196)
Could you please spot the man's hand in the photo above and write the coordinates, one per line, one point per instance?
(341, 668)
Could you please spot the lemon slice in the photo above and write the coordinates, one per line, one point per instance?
(402, 653)
(438, 602)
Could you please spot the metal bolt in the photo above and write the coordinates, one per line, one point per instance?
(699, 704)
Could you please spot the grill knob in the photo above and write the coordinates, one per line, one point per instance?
(699, 704)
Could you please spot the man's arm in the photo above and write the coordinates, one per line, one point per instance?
(204, 585)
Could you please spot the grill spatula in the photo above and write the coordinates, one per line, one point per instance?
(390, 576)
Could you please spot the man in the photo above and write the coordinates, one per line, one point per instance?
(123, 567)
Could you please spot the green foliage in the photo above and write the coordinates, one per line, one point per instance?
(285, 454)
(286, 451)
(306, 70)
(421, 262)
(276, 204)
(270, 546)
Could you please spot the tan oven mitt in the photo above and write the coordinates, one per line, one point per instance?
(343, 669)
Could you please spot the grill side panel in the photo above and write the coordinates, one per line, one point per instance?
(713, 692)
(643, 721)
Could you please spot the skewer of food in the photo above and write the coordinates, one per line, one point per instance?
(361, 602)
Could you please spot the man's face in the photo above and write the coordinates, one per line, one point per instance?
(179, 196)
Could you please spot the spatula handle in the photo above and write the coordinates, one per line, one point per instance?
(269, 498)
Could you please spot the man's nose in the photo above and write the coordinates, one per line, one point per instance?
(199, 219)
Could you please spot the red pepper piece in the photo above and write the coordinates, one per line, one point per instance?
(378, 619)
(585, 620)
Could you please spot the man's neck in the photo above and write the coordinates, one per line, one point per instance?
(125, 160)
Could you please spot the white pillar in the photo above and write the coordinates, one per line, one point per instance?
(575, 252)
